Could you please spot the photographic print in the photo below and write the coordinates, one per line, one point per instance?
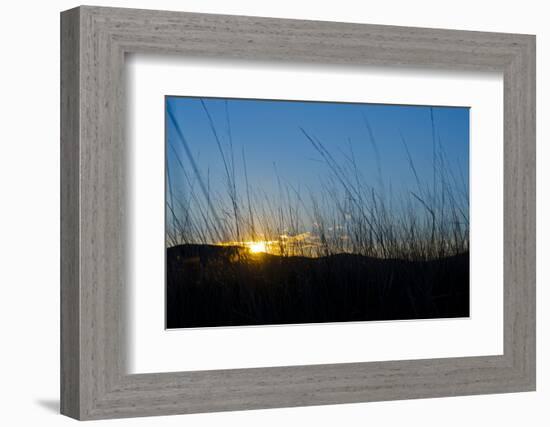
(296, 212)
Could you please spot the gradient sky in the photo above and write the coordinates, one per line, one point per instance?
(269, 134)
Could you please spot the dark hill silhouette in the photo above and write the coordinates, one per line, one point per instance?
(209, 285)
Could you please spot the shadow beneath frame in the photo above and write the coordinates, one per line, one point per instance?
(52, 405)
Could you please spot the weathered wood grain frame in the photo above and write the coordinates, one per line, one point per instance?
(94, 382)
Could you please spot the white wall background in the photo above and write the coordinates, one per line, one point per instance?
(29, 213)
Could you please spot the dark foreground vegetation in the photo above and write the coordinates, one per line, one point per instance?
(210, 285)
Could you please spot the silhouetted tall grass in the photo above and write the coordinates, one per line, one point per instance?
(350, 214)
(352, 251)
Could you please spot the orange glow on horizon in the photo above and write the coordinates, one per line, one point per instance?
(286, 245)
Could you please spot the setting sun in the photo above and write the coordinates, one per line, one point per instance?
(257, 247)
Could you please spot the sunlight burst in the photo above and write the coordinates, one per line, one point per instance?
(257, 247)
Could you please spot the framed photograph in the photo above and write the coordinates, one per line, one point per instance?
(261, 213)
(335, 232)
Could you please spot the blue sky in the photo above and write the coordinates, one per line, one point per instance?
(270, 136)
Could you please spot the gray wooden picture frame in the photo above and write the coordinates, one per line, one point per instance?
(94, 381)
